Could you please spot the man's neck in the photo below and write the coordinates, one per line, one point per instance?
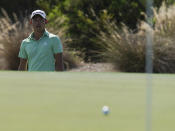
(38, 35)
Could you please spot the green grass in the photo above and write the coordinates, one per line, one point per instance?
(69, 101)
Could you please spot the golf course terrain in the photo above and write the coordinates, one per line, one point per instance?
(73, 101)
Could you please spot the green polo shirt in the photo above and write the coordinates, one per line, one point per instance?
(40, 53)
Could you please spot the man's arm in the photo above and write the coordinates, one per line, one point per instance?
(22, 65)
(59, 66)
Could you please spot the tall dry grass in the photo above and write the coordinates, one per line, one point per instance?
(126, 49)
(12, 34)
(164, 39)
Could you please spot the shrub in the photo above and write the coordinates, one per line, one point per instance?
(123, 48)
(126, 49)
(11, 38)
(164, 45)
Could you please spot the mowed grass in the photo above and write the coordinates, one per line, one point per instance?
(72, 101)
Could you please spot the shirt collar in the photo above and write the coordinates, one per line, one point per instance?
(46, 33)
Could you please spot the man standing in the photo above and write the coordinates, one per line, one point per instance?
(41, 51)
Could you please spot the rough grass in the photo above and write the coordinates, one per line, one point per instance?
(73, 101)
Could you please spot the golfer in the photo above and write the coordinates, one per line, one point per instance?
(41, 51)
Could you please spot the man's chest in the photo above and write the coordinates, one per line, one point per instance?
(38, 48)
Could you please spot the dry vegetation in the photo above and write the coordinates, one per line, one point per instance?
(126, 49)
(12, 34)
(120, 46)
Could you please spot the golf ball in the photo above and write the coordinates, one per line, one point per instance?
(105, 110)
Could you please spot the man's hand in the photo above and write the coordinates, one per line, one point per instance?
(59, 66)
(22, 65)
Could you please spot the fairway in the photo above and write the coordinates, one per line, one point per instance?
(72, 101)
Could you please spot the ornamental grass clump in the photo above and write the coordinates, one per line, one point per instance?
(126, 49)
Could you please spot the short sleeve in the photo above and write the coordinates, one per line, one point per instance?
(22, 52)
(57, 45)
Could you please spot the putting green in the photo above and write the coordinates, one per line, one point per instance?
(72, 101)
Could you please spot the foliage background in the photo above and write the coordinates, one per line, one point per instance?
(84, 20)
(82, 16)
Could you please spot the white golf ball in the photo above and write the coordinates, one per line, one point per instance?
(105, 110)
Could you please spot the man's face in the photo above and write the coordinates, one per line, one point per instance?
(38, 23)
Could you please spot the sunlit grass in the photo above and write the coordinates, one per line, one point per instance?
(73, 101)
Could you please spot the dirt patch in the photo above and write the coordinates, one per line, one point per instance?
(97, 67)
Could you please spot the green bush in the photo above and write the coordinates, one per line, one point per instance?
(20, 7)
